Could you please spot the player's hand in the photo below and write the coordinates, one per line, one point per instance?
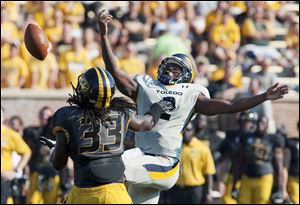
(103, 20)
(276, 92)
(235, 193)
(46, 141)
(165, 105)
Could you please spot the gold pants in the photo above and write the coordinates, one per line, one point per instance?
(255, 190)
(114, 193)
(44, 196)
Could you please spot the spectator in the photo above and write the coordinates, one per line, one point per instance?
(264, 76)
(54, 32)
(11, 141)
(136, 23)
(14, 70)
(197, 167)
(256, 30)
(264, 109)
(201, 72)
(74, 13)
(9, 34)
(64, 44)
(72, 63)
(44, 15)
(177, 25)
(90, 43)
(214, 17)
(129, 62)
(44, 180)
(224, 37)
(225, 80)
(16, 123)
(44, 73)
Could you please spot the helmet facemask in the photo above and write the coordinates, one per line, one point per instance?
(173, 63)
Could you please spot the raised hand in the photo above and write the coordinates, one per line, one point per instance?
(103, 20)
(276, 92)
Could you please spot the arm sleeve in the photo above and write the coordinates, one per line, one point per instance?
(20, 145)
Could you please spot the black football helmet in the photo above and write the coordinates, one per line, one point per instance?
(96, 87)
(181, 61)
(248, 116)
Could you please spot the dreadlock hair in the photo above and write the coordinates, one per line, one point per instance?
(119, 104)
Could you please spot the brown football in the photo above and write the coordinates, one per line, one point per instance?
(36, 41)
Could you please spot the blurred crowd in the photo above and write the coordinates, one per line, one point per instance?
(228, 40)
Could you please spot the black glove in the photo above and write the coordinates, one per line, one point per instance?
(166, 105)
(235, 193)
(46, 141)
(158, 108)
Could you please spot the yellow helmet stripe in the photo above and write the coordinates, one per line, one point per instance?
(192, 66)
(100, 90)
(193, 75)
(108, 89)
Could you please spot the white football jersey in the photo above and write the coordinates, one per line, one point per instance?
(166, 138)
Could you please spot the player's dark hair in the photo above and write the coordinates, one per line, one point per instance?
(119, 104)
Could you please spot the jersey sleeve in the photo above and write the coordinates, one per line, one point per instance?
(59, 123)
(20, 145)
(200, 90)
(142, 80)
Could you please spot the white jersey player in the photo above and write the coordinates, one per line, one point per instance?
(154, 165)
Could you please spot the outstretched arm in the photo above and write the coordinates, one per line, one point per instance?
(216, 106)
(124, 82)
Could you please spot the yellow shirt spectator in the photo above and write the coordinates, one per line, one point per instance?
(132, 66)
(42, 72)
(13, 8)
(14, 72)
(73, 12)
(9, 31)
(249, 29)
(215, 18)
(72, 64)
(11, 141)
(226, 35)
(235, 78)
(44, 16)
(196, 162)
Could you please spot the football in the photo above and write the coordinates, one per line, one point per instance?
(36, 41)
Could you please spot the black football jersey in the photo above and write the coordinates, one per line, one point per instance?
(95, 148)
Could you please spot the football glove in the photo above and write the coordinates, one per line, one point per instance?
(46, 141)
